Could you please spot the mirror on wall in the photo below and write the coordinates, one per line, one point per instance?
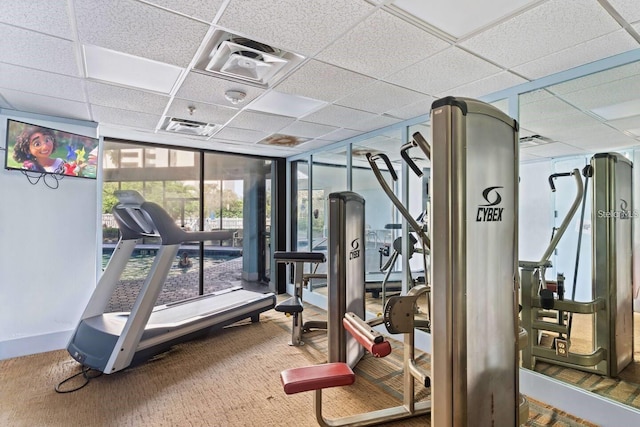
(328, 175)
(561, 128)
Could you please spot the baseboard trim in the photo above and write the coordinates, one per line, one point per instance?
(34, 344)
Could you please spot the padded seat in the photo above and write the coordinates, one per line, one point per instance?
(290, 305)
(316, 377)
(284, 257)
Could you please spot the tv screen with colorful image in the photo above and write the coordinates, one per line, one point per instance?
(38, 148)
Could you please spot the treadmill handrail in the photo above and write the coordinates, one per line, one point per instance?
(171, 234)
(138, 218)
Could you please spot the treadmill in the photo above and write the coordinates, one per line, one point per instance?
(110, 342)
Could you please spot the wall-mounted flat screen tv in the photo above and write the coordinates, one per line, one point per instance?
(37, 148)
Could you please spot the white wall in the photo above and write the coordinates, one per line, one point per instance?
(535, 210)
(48, 250)
(636, 230)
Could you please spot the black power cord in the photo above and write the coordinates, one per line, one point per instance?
(87, 374)
(34, 179)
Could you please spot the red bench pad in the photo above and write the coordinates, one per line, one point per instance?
(381, 349)
(314, 377)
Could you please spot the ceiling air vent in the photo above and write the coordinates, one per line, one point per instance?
(244, 60)
(533, 141)
(189, 127)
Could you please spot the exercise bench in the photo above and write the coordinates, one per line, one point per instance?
(337, 374)
(293, 306)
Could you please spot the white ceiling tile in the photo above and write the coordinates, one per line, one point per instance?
(557, 128)
(446, 70)
(373, 123)
(319, 80)
(139, 29)
(416, 109)
(241, 135)
(544, 109)
(382, 35)
(614, 92)
(118, 117)
(237, 147)
(285, 104)
(209, 89)
(36, 50)
(24, 101)
(526, 157)
(335, 115)
(551, 27)
(627, 123)
(552, 150)
(382, 143)
(600, 132)
(207, 113)
(51, 19)
(596, 79)
(487, 85)
(261, 122)
(41, 82)
(315, 144)
(340, 135)
(201, 9)
(619, 142)
(290, 25)
(534, 96)
(134, 71)
(628, 9)
(619, 110)
(307, 130)
(447, 15)
(381, 97)
(592, 50)
(125, 98)
(277, 150)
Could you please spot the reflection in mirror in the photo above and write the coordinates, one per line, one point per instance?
(419, 204)
(386, 274)
(380, 215)
(301, 213)
(578, 287)
(329, 175)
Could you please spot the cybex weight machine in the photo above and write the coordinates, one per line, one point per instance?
(544, 306)
(475, 332)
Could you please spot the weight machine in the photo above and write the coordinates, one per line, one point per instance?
(544, 306)
(474, 371)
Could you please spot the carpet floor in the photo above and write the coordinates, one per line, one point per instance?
(230, 378)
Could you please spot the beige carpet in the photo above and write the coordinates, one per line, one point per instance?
(228, 379)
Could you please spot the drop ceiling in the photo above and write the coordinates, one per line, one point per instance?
(314, 73)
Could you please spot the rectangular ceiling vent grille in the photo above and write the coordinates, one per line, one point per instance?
(533, 141)
(189, 127)
(241, 59)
